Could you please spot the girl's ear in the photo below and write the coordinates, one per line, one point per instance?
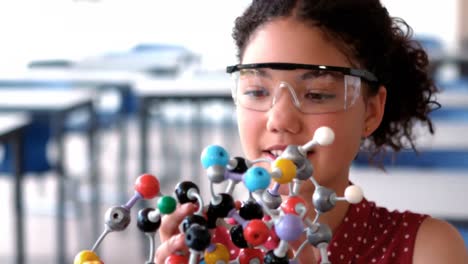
(375, 108)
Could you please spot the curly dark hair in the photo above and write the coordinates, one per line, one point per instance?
(363, 30)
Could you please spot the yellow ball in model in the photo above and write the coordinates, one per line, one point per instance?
(287, 169)
(219, 255)
(87, 257)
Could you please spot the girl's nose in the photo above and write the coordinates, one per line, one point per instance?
(284, 115)
(285, 87)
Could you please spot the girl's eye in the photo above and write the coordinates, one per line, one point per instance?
(256, 92)
(319, 97)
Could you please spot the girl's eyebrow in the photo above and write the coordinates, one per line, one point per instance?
(260, 72)
(310, 74)
(264, 73)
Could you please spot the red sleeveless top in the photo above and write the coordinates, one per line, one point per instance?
(371, 234)
(368, 234)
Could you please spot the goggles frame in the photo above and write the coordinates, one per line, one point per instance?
(364, 74)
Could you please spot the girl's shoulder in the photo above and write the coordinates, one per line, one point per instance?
(372, 234)
(438, 241)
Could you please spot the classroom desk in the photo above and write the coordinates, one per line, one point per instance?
(11, 129)
(96, 81)
(57, 105)
(153, 92)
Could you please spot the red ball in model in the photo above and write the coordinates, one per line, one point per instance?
(176, 259)
(250, 255)
(294, 205)
(147, 186)
(256, 232)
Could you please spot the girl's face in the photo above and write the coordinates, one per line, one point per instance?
(287, 40)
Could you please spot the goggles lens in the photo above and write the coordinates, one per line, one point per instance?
(312, 91)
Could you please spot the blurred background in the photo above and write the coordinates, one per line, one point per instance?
(94, 93)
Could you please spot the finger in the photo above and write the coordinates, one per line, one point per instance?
(170, 223)
(175, 243)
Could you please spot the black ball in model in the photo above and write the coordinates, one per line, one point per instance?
(181, 192)
(219, 210)
(211, 219)
(237, 236)
(222, 208)
(251, 210)
(241, 166)
(271, 258)
(197, 237)
(191, 220)
(143, 222)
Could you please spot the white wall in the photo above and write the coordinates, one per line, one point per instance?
(438, 18)
(72, 29)
(32, 29)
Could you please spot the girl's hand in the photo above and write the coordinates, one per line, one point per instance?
(171, 238)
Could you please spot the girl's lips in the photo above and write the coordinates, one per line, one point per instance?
(271, 153)
(274, 151)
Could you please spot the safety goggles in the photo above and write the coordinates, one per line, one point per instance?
(314, 89)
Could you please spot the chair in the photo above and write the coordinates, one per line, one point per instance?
(37, 134)
(36, 137)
